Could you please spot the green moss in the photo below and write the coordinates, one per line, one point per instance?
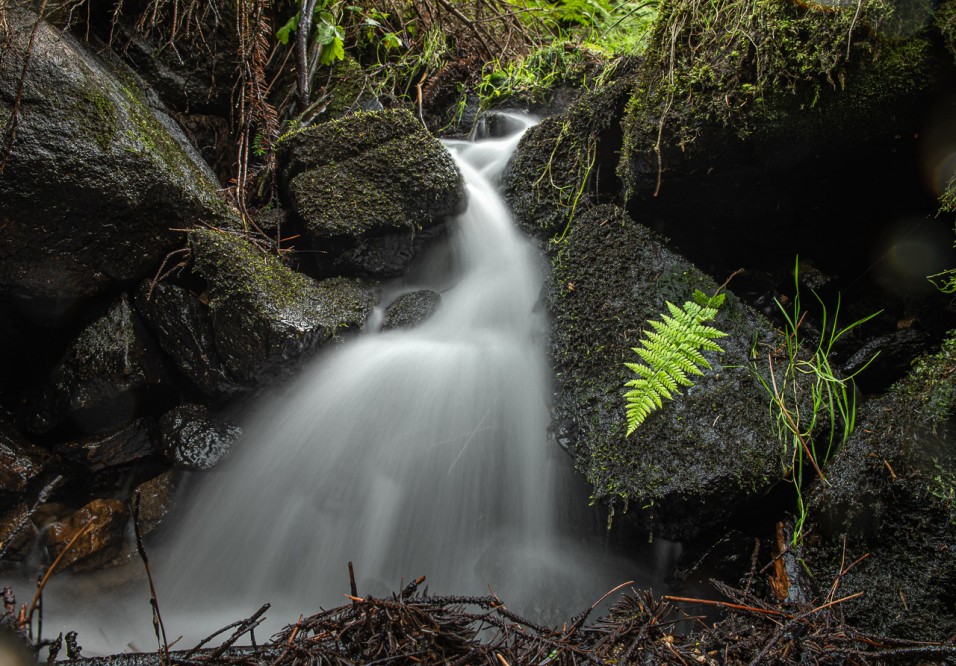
(929, 390)
(348, 88)
(98, 115)
(946, 24)
(768, 68)
(534, 78)
(552, 177)
(370, 172)
(236, 270)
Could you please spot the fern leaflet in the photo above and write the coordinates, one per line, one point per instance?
(670, 354)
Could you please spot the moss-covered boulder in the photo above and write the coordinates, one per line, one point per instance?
(778, 108)
(566, 163)
(700, 457)
(265, 317)
(98, 175)
(368, 176)
(108, 372)
(891, 494)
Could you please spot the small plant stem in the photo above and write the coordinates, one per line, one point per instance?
(49, 572)
(793, 426)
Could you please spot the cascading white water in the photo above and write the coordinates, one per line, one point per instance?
(407, 452)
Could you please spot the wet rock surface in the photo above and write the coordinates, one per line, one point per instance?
(98, 176)
(891, 495)
(379, 256)
(156, 499)
(100, 526)
(20, 461)
(17, 533)
(100, 380)
(696, 460)
(410, 310)
(129, 444)
(369, 175)
(193, 438)
(184, 328)
(265, 317)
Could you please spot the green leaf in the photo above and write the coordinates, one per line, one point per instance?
(669, 354)
(391, 41)
(285, 32)
(333, 51)
(325, 32)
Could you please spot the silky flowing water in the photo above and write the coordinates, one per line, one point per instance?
(407, 452)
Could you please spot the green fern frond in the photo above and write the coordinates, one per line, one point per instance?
(670, 354)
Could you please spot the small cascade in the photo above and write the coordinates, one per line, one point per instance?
(407, 452)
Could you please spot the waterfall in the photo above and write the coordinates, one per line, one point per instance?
(408, 452)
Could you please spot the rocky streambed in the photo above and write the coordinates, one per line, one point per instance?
(141, 312)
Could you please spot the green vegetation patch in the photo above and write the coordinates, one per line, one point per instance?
(553, 175)
(808, 70)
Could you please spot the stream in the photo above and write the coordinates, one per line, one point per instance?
(407, 452)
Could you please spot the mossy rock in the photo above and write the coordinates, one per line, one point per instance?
(566, 163)
(370, 172)
(704, 454)
(98, 175)
(265, 317)
(349, 91)
(411, 309)
(891, 493)
(774, 83)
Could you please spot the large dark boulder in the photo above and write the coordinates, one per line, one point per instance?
(366, 176)
(891, 494)
(691, 464)
(98, 176)
(265, 317)
(103, 378)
